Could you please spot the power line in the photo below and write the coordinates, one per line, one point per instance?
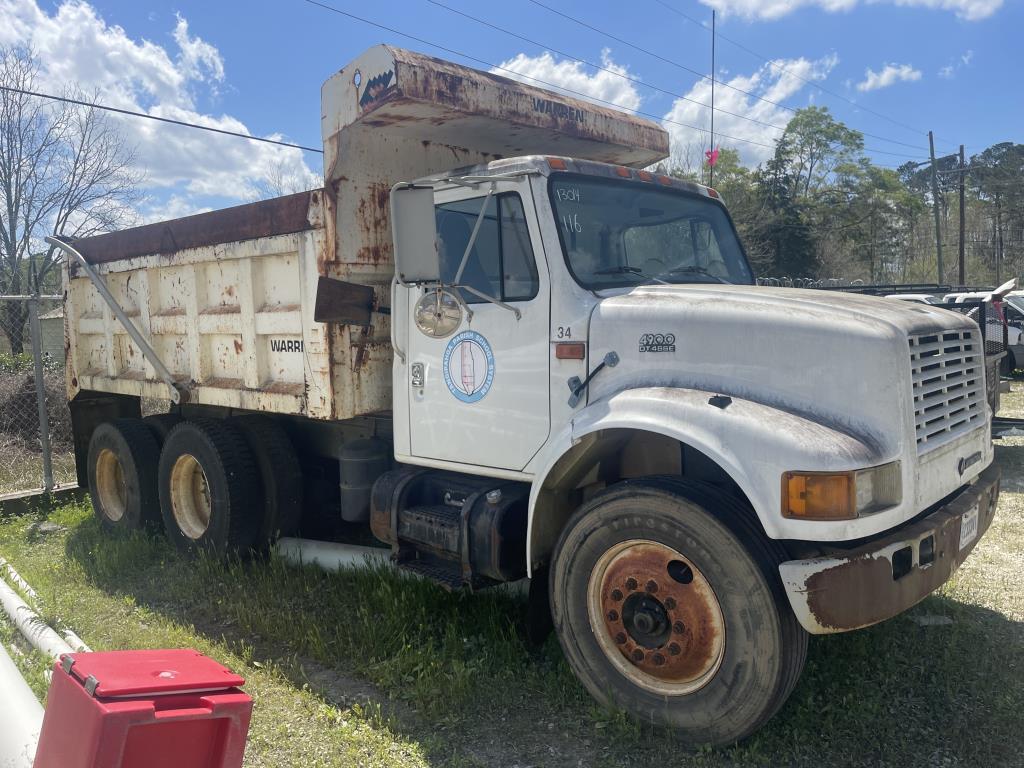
(685, 68)
(658, 56)
(147, 116)
(771, 62)
(602, 68)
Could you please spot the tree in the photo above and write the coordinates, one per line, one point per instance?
(997, 178)
(813, 147)
(64, 169)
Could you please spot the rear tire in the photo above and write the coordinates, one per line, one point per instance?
(667, 601)
(122, 469)
(280, 473)
(161, 424)
(209, 487)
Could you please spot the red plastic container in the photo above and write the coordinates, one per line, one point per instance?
(143, 709)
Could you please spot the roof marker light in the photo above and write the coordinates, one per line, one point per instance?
(556, 163)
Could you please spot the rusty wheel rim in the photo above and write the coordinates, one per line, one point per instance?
(191, 502)
(656, 617)
(110, 485)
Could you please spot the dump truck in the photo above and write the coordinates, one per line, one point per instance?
(501, 343)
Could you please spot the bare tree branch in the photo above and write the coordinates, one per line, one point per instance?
(64, 169)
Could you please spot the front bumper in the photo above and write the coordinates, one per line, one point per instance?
(878, 580)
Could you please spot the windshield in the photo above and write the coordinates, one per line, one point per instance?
(618, 233)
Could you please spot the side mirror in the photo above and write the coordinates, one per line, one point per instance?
(414, 232)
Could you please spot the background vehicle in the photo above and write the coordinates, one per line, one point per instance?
(998, 328)
(512, 352)
(917, 298)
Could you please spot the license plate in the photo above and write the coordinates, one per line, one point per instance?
(968, 527)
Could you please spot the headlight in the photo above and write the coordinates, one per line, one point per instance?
(841, 495)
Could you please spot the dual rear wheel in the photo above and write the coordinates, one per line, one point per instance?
(225, 485)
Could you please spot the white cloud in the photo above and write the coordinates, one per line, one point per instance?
(604, 86)
(76, 45)
(890, 74)
(153, 210)
(971, 10)
(198, 59)
(776, 82)
(963, 60)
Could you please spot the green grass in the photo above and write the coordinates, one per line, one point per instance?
(367, 668)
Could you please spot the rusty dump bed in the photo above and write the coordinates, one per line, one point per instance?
(282, 305)
(266, 218)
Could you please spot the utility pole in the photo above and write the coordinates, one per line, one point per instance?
(711, 172)
(935, 207)
(963, 211)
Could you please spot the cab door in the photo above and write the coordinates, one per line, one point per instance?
(480, 395)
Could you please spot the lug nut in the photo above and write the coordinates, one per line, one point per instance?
(613, 615)
(616, 595)
(678, 628)
(670, 603)
(658, 659)
(620, 638)
(674, 649)
(652, 586)
(631, 584)
(638, 655)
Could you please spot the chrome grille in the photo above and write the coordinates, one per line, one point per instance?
(949, 385)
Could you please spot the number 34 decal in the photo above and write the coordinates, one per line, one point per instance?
(563, 332)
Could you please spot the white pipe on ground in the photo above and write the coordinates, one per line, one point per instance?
(332, 556)
(28, 622)
(329, 555)
(72, 639)
(21, 716)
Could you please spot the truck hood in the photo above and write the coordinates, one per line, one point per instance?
(840, 359)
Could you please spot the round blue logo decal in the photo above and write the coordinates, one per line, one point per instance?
(468, 365)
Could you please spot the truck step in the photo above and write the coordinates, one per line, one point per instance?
(446, 574)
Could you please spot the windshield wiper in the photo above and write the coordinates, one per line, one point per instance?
(693, 269)
(626, 269)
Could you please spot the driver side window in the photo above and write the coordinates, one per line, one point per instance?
(501, 263)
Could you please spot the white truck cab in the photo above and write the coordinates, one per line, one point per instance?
(513, 351)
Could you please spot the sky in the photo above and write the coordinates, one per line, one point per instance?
(893, 69)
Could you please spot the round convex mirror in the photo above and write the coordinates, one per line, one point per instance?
(438, 314)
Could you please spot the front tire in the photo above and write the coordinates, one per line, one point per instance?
(667, 602)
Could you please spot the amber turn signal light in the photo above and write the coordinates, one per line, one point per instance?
(571, 350)
(819, 495)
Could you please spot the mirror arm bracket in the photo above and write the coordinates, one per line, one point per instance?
(472, 237)
(485, 297)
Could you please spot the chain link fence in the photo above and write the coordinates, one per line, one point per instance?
(36, 449)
